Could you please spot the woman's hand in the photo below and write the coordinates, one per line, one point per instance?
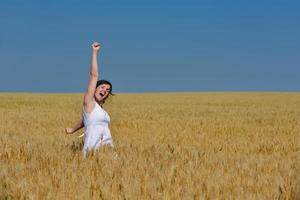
(69, 130)
(96, 46)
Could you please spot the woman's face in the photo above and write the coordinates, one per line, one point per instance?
(102, 92)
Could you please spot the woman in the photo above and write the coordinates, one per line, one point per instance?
(94, 118)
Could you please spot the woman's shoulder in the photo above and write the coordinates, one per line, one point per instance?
(90, 107)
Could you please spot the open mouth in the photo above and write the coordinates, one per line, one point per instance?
(101, 94)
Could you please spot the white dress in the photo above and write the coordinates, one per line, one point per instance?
(97, 132)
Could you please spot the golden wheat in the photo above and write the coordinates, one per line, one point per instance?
(169, 146)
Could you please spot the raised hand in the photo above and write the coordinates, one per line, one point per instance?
(96, 46)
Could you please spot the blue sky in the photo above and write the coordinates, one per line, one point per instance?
(151, 46)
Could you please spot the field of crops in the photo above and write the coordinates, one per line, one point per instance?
(167, 146)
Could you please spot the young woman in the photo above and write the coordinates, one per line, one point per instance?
(95, 119)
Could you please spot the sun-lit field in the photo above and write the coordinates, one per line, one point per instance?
(169, 146)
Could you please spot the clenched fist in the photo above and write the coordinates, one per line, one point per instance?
(96, 46)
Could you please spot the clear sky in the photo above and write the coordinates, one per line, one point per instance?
(151, 45)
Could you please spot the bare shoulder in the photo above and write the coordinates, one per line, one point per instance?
(88, 103)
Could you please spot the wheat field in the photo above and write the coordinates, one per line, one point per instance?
(167, 146)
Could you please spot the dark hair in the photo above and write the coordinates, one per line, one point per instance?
(100, 82)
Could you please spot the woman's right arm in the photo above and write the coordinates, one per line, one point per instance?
(76, 127)
(89, 101)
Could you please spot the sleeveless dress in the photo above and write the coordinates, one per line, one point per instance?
(97, 132)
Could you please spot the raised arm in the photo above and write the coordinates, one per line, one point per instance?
(89, 101)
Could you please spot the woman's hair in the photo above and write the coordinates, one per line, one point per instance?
(100, 82)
